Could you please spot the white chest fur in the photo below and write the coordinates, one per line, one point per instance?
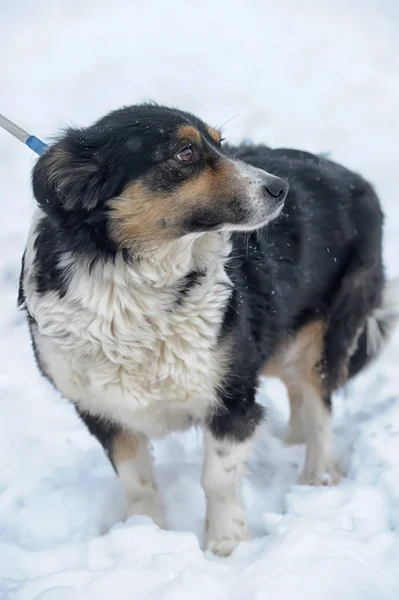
(120, 345)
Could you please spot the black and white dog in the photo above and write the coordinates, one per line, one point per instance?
(156, 296)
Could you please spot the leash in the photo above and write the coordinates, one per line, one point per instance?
(23, 136)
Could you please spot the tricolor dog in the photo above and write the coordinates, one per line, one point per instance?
(165, 272)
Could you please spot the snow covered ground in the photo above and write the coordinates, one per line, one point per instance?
(323, 76)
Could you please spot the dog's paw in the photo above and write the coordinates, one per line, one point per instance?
(223, 540)
(327, 474)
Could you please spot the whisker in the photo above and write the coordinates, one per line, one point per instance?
(228, 121)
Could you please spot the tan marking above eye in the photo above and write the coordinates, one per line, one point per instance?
(215, 135)
(188, 133)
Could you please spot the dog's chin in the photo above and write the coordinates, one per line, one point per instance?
(254, 222)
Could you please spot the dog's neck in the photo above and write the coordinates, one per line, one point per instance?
(166, 265)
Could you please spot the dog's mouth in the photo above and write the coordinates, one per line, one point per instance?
(209, 225)
(204, 222)
(252, 224)
(246, 220)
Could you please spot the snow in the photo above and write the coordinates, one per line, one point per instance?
(321, 76)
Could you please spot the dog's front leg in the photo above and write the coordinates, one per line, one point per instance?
(228, 442)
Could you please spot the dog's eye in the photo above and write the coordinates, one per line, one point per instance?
(187, 155)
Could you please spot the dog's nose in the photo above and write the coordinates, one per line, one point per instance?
(277, 188)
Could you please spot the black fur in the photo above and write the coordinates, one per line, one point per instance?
(187, 284)
(21, 293)
(49, 276)
(103, 430)
(320, 260)
(30, 319)
(239, 414)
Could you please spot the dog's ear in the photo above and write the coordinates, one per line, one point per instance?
(69, 176)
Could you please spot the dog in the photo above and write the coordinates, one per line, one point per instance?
(165, 272)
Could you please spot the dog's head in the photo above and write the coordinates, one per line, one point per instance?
(148, 174)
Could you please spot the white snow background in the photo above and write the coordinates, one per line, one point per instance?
(322, 76)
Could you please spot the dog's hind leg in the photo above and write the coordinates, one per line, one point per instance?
(320, 466)
(313, 404)
(295, 433)
(298, 366)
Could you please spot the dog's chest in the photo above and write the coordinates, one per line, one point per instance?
(147, 357)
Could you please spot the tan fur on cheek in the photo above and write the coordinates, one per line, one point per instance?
(211, 188)
(140, 216)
